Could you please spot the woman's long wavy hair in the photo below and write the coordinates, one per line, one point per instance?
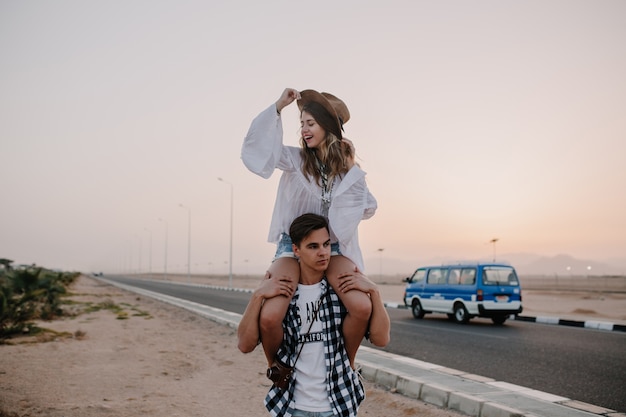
(330, 153)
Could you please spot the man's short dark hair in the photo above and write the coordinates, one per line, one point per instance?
(303, 225)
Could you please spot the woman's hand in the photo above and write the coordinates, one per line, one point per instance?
(356, 280)
(286, 98)
(273, 286)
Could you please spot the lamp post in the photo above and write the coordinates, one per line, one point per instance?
(165, 253)
(381, 262)
(140, 250)
(130, 256)
(149, 253)
(494, 240)
(188, 242)
(230, 262)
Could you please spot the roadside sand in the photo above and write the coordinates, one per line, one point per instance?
(161, 361)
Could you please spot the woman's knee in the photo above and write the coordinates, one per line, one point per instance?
(359, 306)
(273, 313)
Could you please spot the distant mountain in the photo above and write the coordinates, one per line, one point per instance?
(619, 263)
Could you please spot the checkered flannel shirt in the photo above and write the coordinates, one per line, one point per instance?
(345, 390)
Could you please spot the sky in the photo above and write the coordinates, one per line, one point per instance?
(474, 120)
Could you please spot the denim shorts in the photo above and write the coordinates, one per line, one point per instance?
(285, 250)
(300, 413)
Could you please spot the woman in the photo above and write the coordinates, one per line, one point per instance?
(319, 177)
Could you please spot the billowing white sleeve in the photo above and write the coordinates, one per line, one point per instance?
(262, 146)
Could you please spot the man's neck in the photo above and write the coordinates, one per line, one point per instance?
(310, 277)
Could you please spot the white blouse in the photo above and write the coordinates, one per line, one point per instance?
(263, 151)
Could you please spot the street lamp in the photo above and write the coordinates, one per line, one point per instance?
(140, 250)
(149, 253)
(165, 256)
(130, 256)
(230, 263)
(381, 262)
(188, 242)
(494, 240)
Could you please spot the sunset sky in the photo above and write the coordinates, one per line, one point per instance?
(474, 120)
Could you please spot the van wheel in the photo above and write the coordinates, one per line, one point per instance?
(460, 314)
(417, 310)
(499, 320)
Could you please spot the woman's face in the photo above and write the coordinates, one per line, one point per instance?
(312, 133)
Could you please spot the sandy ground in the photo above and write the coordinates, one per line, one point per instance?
(138, 356)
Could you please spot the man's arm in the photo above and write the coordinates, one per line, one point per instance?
(248, 329)
(380, 324)
(248, 332)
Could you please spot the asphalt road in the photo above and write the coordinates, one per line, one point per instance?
(582, 364)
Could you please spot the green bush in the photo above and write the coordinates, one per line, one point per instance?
(29, 293)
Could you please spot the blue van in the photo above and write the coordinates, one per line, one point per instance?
(464, 291)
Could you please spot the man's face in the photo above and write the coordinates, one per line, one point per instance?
(314, 250)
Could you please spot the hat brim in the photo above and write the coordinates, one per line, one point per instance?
(309, 96)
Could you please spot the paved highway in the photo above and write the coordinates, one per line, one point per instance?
(582, 364)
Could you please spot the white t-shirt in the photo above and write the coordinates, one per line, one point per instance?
(310, 376)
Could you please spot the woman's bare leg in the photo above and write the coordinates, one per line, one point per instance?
(274, 309)
(357, 303)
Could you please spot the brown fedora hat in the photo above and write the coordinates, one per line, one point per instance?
(333, 105)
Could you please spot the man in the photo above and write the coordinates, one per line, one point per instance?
(323, 381)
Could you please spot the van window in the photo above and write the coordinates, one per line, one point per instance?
(498, 275)
(454, 277)
(437, 276)
(419, 275)
(468, 276)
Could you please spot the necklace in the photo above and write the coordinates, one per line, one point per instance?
(327, 189)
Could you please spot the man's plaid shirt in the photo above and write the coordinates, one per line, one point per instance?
(345, 390)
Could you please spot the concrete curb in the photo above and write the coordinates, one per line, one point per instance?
(587, 324)
(212, 313)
